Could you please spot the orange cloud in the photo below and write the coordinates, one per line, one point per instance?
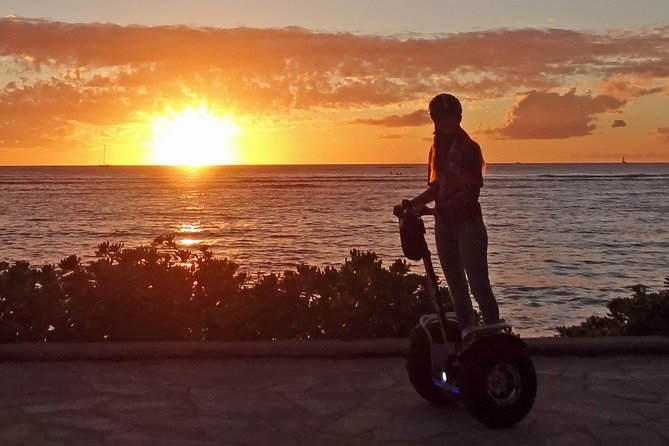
(547, 115)
(62, 75)
(49, 111)
(619, 123)
(419, 117)
(661, 134)
(390, 136)
(629, 87)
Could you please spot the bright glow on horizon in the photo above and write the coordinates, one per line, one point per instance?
(194, 137)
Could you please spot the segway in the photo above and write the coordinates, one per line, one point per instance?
(485, 367)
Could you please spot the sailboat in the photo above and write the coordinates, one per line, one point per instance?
(104, 157)
(623, 161)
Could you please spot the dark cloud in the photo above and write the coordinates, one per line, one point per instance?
(619, 123)
(419, 117)
(548, 115)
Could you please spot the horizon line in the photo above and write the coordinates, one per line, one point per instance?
(325, 164)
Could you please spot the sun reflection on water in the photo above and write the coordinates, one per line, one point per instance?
(190, 228)
(190, 242)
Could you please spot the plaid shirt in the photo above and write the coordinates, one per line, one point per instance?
(455, 170)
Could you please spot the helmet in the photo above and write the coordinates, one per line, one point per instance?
(445, 104)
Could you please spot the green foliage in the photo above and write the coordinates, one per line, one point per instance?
(642, 314)
(31, 301)
(159, 293)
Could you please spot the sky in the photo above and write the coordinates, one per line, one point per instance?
(313, 81)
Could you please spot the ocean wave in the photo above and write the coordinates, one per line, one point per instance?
(578, 176)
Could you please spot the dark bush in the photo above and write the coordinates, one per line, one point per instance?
(159, 293)
(642, 314)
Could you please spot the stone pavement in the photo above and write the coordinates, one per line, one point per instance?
(615, 399)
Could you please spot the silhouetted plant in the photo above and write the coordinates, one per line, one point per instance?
(108, 249)
(31, 302)
(159, 292)
(641, 314)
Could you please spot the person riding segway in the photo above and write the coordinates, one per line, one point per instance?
(450, 357)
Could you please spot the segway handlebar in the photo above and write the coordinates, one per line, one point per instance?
(400, 210)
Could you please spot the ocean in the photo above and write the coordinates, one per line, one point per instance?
(564, 238)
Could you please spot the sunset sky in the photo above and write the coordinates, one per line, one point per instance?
(313, 81)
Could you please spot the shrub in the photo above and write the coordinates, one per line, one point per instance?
(642, 314)
(160, 293)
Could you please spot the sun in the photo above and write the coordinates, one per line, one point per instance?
(194, 137)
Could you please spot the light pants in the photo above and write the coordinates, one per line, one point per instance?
(463, 248)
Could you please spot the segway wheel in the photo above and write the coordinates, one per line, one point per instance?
(499, 391)
(419, 368)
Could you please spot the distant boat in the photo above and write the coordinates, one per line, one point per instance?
(623, 161)
(104, 157)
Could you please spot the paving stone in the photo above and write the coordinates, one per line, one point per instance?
(628, 435)
(323, 403)
(152, 402)
(252, 437)
(137, 439)
(260, 404)
(72, 435)
(298, 384)
(300, 426)
(421, 422)
(9, 415)
(599, 411)
(82, 421)
(632, 375)
(60, 406)
(360, 420)
(21, 433)
(127, 389)
(474, 432)
(624, 391)
(544, 424)
(651, 412)
(416, 429)
(394, 399)
(568, 438)
(185, 373)
(178, 420)
(661, 428)
(371, 381)
(280, 401)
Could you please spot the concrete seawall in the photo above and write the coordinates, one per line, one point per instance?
(365, 348)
